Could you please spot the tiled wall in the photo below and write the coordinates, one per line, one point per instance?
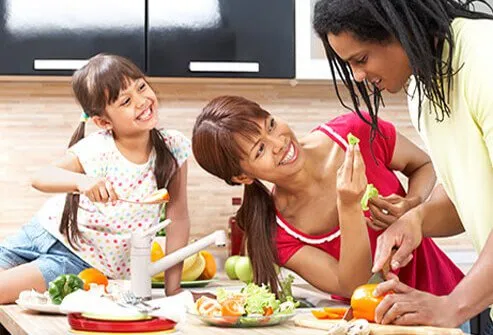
(37, 119)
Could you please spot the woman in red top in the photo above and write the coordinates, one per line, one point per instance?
(312, 222)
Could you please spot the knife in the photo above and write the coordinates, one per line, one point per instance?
(376, 278)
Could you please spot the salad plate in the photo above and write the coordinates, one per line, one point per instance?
(48, 308)
(252, 306)
(244, 321)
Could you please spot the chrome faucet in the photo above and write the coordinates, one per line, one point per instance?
(141, 267)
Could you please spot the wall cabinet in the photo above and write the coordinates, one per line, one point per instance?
(221, 38)
(165, 38)
(57, 36)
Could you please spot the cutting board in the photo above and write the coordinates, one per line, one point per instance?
(309, 321)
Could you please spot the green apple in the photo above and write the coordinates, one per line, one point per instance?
(229, 266)
(244, 270)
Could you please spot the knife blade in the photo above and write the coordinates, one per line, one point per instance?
(377, 278)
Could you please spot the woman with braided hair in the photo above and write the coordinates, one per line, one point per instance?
(438, 51)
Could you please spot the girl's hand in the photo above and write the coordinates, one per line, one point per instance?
(386, 210)
(351, 178)
(97, 189)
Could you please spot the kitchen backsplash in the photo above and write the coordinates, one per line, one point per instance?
(37, 119)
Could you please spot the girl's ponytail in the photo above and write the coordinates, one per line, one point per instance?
(166, 165)
(68, 224)
(256, 217)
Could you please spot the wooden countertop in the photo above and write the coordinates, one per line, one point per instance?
(21, 322)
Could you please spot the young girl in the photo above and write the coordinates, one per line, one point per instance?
(306, 223)
(440, 52)
(128, 159)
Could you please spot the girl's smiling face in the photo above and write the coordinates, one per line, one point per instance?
(384, 64)
(135, 109)
(272, 155)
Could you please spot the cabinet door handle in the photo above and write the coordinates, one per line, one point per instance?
(59, 64)
(224, 66)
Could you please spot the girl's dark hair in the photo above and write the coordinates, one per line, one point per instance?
(97, 85)
(421, 26)
(215, 146)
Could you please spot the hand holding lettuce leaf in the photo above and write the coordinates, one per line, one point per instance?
(371, 191)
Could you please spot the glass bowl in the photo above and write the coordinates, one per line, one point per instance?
(244, 321)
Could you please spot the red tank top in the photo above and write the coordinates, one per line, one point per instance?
(430, 269)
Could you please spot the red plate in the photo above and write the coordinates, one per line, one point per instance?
(78, 322)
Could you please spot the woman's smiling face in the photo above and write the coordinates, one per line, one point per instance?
(384, 64)
(273, 154)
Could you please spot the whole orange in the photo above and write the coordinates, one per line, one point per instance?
(92, 275)
(210, 266)
(364, 303)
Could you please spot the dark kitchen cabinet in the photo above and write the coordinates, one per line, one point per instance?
(221, 38)
(54, 37)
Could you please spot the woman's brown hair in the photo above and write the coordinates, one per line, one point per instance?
(97, 85)
(215, 147)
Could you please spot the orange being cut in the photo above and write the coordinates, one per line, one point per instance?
(92, 275)
(364, 303)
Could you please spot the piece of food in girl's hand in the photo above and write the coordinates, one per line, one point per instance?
(62, 286)
(158, 196)
(371, 191)
(352, 140)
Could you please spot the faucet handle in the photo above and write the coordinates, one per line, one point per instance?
(154, 229)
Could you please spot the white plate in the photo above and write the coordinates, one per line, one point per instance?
(43, 308)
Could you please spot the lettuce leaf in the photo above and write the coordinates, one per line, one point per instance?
(371, 191)
(258, 297)
(352, 140)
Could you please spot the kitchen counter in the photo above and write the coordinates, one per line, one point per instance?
(17, 321)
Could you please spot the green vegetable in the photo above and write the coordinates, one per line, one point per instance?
(62, 286)
(286, 288)
(258, 297)
(352, 140)
(162, 217)
(371, 191)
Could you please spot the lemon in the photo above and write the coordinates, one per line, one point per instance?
(156, 251)
(189, 262)
(156, 254)
(195, 270)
